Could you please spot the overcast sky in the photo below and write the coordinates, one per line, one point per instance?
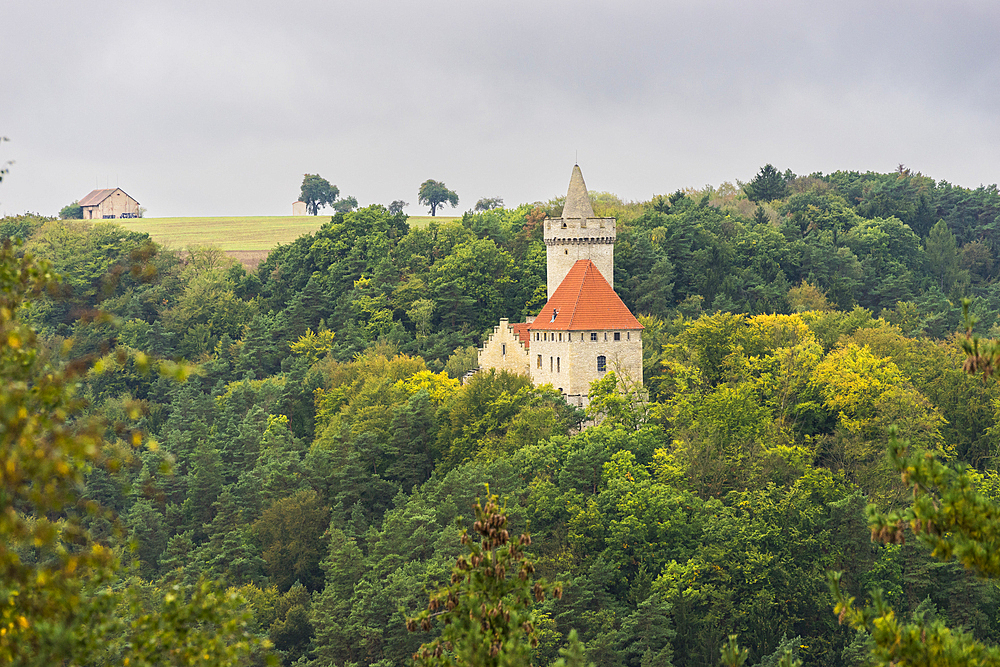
(219, 107)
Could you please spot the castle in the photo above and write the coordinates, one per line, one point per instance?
(584, 330)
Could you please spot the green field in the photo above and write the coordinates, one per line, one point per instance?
(226, 233)
(234, 234)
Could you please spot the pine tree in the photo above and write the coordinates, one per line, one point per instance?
(343, 567)
(769, 184)
(229, 554)
(486, 611)
(204, 486)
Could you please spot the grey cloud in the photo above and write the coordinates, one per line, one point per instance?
(219, 107)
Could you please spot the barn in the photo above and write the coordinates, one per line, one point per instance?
(109, 203)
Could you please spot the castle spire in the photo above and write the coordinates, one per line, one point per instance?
(577, 200)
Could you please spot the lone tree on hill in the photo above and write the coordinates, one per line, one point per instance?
(317, 192)
(434, 193)
(767, 185)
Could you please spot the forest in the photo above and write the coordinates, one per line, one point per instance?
(300, 434)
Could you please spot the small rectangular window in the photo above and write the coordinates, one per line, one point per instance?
(557, 364)
(628, 335)
(503, 349)
(593, 336)
(550, 364)
(560, 338)
(618, 335)
(605, 335)
(601, 364)
(539, 361)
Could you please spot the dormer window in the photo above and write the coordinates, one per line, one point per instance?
(555, 311)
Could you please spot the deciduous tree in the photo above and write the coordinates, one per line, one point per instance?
(434, 193)
(345, 204)
(71, 211)
(489, 203)
(58, 606)
(317, 192)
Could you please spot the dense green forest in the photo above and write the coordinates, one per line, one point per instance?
(320, 448)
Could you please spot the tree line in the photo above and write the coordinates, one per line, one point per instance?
(321, 448)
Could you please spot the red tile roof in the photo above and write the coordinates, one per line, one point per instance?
(584, 301)
(521, 331)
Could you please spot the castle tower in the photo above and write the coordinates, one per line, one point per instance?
(578, 235)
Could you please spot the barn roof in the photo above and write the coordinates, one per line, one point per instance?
(584, 301)
(97, 196)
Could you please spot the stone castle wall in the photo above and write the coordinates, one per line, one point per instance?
(570, 364)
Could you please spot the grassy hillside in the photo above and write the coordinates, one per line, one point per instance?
(228, 234)
(247, 239)
(246, 234)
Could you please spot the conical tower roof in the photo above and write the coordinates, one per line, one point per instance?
(577, 200)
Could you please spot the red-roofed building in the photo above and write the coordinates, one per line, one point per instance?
(584, 330)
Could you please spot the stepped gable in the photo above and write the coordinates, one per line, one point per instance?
(577, 199)
(584, 301)
(521, 331)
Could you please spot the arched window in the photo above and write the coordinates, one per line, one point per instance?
(602, 364)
